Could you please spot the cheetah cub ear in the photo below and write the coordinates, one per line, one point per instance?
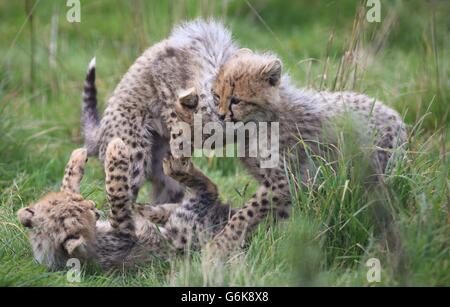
(271, 72)
(189, 98)
(25, 216)
(242, 51)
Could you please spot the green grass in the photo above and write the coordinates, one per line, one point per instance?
(332, 233)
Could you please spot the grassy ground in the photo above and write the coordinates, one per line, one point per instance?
(403, 60)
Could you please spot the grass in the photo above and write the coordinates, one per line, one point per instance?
(403, 60)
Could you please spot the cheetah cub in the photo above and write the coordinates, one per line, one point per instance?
(141, 109)
(250, 88)
(64, 225)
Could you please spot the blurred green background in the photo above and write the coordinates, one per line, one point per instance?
(402, 60)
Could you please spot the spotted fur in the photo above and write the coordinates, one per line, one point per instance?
(201, 215)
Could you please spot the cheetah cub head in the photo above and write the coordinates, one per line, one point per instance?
(62, 224)
(192, 103)
(247, 87)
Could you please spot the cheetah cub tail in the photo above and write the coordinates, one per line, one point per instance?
(89, 114)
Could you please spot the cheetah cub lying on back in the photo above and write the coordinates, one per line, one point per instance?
(64, 225)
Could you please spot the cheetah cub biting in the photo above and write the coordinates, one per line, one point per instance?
(64, 225)
(250, 88)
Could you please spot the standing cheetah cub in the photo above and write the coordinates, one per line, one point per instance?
(250, 88)
(141, 109)
(64, 225)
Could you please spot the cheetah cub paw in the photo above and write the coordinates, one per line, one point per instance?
(78, 157)
(177, 167)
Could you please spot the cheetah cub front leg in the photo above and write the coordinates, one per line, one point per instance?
(177, 168)
(74, 171)
(184, 171)
(160, 214)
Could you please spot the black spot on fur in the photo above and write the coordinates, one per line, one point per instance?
(170, 52)
(283, 214)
